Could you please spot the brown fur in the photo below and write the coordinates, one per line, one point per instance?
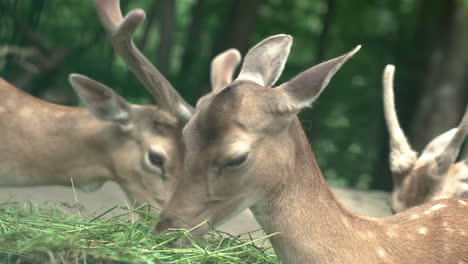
(44, 144)
(48, 144)
(280, 181)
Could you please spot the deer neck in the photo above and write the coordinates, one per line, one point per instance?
(310, 221)
(48, 144)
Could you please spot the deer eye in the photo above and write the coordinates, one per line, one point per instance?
(156, 159)
(236, 161)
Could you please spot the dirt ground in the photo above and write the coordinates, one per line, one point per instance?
(371, 203)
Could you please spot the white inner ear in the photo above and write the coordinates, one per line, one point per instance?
(331, 73)
(437, 145)
(251, 76)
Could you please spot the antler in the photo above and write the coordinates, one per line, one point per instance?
(402, 157)
(120, 31)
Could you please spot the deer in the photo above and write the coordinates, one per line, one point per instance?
(434, 174)
(136, 146)
(245, 148)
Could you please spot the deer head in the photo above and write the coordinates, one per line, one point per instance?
(234, 132)
(434, 174)
(245, 148)
(46, 144)
(146, 152)
(148, 160)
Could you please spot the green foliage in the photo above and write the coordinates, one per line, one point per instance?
(463, 2)
(44, 233)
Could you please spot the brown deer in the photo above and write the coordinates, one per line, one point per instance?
(48, 144)
(136, 146)
(139, 147)
(434, 174)
(245, 148)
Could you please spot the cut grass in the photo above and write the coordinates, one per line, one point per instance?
(44, 233)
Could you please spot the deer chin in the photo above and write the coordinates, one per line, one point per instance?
(218, 213)
(233, 208)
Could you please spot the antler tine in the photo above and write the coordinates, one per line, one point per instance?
(110, 14)
(402, 157)
(121, 31)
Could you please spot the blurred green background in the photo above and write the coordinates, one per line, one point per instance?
(42, 41)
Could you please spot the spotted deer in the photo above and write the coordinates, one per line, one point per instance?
(245, 148)
(434, 174)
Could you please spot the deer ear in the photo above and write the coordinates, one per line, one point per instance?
(223, 67)
(101, 100)
(264, 63)
(442, 151)
(305, 88)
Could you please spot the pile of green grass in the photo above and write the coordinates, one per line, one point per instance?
(48, 234)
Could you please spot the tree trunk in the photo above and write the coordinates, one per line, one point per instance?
(240, 26)
(443, 100)
(322, 44)
(167, 27)
(193, 37)
(327, 20)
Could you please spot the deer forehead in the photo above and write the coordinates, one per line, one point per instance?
(226, 139)
(239, 96)
(153, 114)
